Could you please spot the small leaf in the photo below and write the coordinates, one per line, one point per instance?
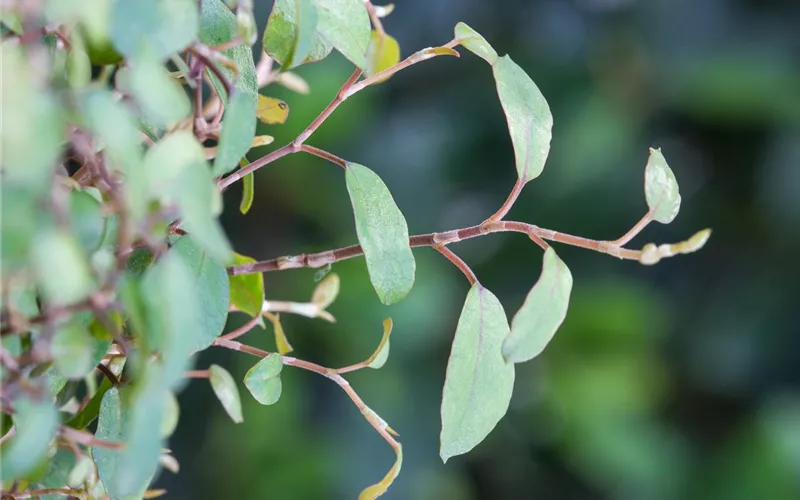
(263, 380)
(381, 354)
(71, 350)
(58, 472)
(218, 26)
(542, 313)
(248, 189)
(167, 26)
(281, 342)
(86, 220)
(440, 51)
(661, 188)
(35, 422)
(247, 290)
(162, 100)
(475, 43)
(528, 115)
(326, 292)
(271, 110)
(225, 388)
(382, 232)
(291, 37)
(381, 55)
(379, 488)
(57, 253)
(479, 382)
(238, 130)
(345, 25)
(652, 254)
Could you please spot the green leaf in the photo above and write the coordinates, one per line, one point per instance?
(167, 26)
(58, 254)
(72, 350)
(263, 380)
(247, 290)
(172, 412)
(218, 26)
(528, 115)
(212, 288)
(542, 313)
(475, 43)
(57, 475)
(479, 382)
(162, 100)
(86, 220)
(379, 488)
(381, 354)
(345, 25)
(290, 37)
(90, 412)
(32, 145)
(35, 422)
(382, 232)
(381, 55)
(228, 394)
(661, 188)
(248, 190)
(23, 216)
(238, 130)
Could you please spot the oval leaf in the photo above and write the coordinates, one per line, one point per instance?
(475, 43)
(291, 35)
(263, 380)
(72, 350)
(661, 188)
(382, 232)
(35, 422)
(479, 382)
(167, 26)
(528, 115)
(218, 26)
(225, 388)
(326, 292)
(381, 55)
(162, 100)
(345, 25)
(271, 111)
(542, 313)
(247, 290)
(238, 130)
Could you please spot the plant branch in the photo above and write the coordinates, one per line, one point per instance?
(458, 262)
(636, 229)
(204, 54)
(198, 374)
(324, 155)
(67, 492)
(224, 183)
(512, 198)
(243, 329)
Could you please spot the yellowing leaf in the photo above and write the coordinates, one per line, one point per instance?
(379, 488)
(381, 354)
(326, 291)
(281, 342)
(271, 110)
(381, 54)
(652, 254)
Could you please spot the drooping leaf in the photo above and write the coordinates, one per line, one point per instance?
(57, 253)
(162, 100)
(379, 488)
(271, 110)
(263, 380)
(326, 292)
(542, 313)
(381, 354)
(238, 130)
(167, 26)
(71, 350)
(382, 232)
(381, 55)
(228, 394)
(528, 115)
(291, 35)
(35, 421)
(345, 25)
(247, 290)
(475, 43)
(661, 188)
(479, 382)
(281, 342)
(248, 189)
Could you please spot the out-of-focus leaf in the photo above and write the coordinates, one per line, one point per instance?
(542, 313)
(57, 475)
(71, 350)
(248, 191)
(238, 130)
(167, 26)
(475, 43)
(652, 254)
(379, 488)
(247, 290)
(271, 110)
(86, 220)
(35, 422)
(326, 292)
(281, 342)
(661, 188)
(162, 100)
(228, 394)
(33, 129)
(172, 411)
(57, 253)
(382, 232)
(528, 115)
(479, 382)
(381, 354)
(345, 25)
(23, 217)
(263, 380)
(90, 412)
(381, 55)
(291, 37)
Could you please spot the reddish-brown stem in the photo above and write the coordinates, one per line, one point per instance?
(636, 229)
(512, 198)
(223, 184)
(109, 374)
(66, 492)
(330, 108)
(243, 329)
(458, 262)
(321, 153)
(199, 52)
(198, 374)
(88, 439)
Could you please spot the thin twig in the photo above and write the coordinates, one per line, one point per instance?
(45, 491)
(200, 51)
(243, 329)
(636, 229)
(198, 374)
(109, 374)
(324, 155)
(512, 198)
(458, 262)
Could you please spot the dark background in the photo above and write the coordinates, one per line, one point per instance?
(679, 381)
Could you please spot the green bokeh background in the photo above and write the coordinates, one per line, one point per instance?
(679, 381)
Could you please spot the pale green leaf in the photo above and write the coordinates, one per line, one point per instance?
(238, 130)
(72, 350)
(475, 43)
(248, 189)
(528, 115)
(381, 354)
(58, 471)
(661, 188)
(161, 99)
(381, 55)
(166, 161)
(172, 411)
(345, 25)
(167, 26)
(247, 290)
(291, 35)
(479, 382)
(326, 291)
(35, 422)
(382, 232)
(228, 394)
(86, 220)
(109, 428)
(542, 313)
(263, 380)
(379, 488)
(57, 253)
